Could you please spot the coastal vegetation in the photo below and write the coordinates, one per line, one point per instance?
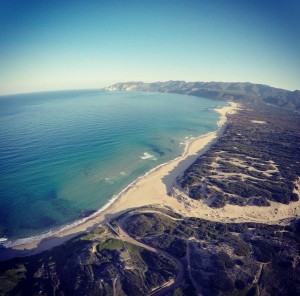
(95, 264)
(209, 257)
(225, 259)
(255, 162)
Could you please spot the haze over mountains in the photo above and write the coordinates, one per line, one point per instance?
(237, 91)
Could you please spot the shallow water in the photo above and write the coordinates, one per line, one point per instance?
(63, 155)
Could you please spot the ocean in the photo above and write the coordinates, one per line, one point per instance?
(66, 154)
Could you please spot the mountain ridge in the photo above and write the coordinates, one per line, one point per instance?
(235, 91)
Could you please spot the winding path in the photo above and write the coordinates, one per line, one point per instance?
(168, 286)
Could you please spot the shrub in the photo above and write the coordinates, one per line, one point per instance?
(221, 282)
(240, 284)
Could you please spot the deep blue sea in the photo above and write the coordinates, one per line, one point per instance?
(65, 154)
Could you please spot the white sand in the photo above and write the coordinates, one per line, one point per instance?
(153, 189)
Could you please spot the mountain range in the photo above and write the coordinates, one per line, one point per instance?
(235, 91)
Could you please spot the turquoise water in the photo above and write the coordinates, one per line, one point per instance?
(63, 155)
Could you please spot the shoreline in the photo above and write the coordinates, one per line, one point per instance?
(117, 204)
(66, 227)
(157, 188)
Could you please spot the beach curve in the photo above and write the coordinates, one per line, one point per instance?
(150, 189)
(156, 188)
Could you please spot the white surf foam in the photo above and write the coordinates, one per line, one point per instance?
(147, 155)
(109, 180)
(58, 230)
(3, 240)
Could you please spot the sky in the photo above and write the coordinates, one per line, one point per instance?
(52, 45)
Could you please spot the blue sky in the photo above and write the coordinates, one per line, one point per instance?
(47, 45)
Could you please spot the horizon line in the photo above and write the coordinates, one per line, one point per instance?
(136, 81)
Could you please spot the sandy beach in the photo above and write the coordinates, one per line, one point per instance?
(156, 188)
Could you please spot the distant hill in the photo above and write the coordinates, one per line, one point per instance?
(236, 91)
